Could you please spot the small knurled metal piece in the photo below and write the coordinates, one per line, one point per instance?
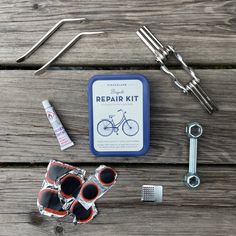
(152, 193)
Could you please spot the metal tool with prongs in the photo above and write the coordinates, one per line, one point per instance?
(162, 53)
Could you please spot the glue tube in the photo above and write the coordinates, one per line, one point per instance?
(62, 137)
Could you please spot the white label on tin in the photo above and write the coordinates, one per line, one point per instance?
(118, 115)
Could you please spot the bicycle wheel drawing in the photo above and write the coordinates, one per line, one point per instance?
(130, 127)
(105, 128)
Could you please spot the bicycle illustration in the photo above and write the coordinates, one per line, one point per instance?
(106, 127)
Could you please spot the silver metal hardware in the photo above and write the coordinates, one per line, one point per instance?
(47, 36)
(64, 49)
(162, 54)
(152, 193)
(193, 132)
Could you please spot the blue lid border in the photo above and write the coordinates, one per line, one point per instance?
(146, 114)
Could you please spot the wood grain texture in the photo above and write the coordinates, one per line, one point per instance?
(127, 221)
(210, 210)
(203, 31)
(26, 135)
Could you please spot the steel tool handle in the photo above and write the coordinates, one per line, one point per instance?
(201, 96)
(193, 156)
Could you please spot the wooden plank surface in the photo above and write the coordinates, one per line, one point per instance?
(140, 221)
(211, 210)
(203, 31)
(26, 135)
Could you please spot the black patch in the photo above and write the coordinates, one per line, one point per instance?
(107, 176)
(90, 192)
(81, 213)
(71, 186)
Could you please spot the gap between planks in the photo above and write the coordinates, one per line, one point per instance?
(114, 164)
(98, 67)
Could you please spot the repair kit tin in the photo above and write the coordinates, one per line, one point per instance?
(119, 115)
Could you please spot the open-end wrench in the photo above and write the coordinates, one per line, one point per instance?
(193, 131)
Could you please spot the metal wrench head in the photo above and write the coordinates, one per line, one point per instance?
(194, 130)
(192, 180)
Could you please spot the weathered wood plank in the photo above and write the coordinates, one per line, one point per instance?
(203, 31)
(26, 135)
(126, 221)
(210, 210)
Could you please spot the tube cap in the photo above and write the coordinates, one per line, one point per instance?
(46, 104)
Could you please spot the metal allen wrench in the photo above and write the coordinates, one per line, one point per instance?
(162, 53)
(63, 50)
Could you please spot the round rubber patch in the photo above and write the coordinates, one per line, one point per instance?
(70, 185)
(90, 191)
(81, 214)
(107, 176)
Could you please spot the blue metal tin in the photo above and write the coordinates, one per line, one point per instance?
(119, 115)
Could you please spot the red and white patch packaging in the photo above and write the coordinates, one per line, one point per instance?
(49, 199)
(57, 169)
(96, 185)
(65, 192)
(49, 204)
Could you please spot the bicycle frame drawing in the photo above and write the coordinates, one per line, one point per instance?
(106, 127)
